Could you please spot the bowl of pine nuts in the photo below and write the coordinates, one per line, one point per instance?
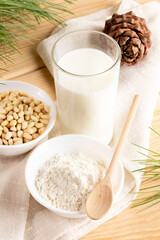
(27, 115)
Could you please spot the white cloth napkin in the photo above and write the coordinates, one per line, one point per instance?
(142, 79)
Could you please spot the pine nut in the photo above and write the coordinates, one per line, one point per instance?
(21, 107)
(45, 121)
(26, 112)
(10, 113)
(25, 107)
(45, 116)
(11, 98)
(3, 111)
(8, 135)
(3, 135)
(13, 123)
(20, 133)
(24, 125)
(34, 129)
(21, 119)
(27, 118)
(27, 136)
(9, 108)
(18, 141)
(4, 94)
(5, 129)
(23, 94)
(47, 108)
(41, 106)
(39, 125)
(13, 94)
(22, 98)
(14, 134)
(9, 104)
(10, 141)
(31, 124)
(41, 130)
(35, 135)
(30, 110)
(4, 123)
(15, 139)
(16, 109)
(29, 131)
(21, 114)
(5, 141)
(2, 116)
(36, 101)
(34, 118)
(32, 104)
(26, 100)
(15, 115)
(15, 102)
(19, 126)
(9, 117)
(3, 105)
(13, 129)
(16, 92)
(36, 114)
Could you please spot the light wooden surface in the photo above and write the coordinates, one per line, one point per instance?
(127, 225)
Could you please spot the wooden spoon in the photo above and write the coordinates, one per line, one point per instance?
(100, 199)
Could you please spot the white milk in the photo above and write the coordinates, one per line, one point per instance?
(86, 103)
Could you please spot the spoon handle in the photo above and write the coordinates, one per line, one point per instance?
(124, 134)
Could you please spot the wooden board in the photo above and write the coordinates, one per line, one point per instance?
(127, 225)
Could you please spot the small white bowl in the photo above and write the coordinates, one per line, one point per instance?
(39, 94)
(68, 144)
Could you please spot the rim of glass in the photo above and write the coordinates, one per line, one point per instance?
(86, 75)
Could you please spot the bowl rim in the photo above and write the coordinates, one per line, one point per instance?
(61, 212)
(50, 124)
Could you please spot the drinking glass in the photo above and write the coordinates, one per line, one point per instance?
(86, 69)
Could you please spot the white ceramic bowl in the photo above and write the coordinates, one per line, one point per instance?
(68, 144)
(39, 94)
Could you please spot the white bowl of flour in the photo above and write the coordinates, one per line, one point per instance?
(62, 171)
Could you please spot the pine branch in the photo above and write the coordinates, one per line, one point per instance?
(18, 16)
(150, 195)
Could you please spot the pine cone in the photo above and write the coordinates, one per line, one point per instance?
(132, 35)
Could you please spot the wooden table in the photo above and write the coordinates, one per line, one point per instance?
(127, 225)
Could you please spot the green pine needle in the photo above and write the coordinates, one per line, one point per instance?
(18, 16)
(151, 171)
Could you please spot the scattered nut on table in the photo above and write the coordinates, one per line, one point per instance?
(22, 118)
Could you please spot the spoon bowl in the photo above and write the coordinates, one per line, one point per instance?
(97, 200)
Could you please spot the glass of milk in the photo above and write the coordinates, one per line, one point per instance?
(86, 69)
